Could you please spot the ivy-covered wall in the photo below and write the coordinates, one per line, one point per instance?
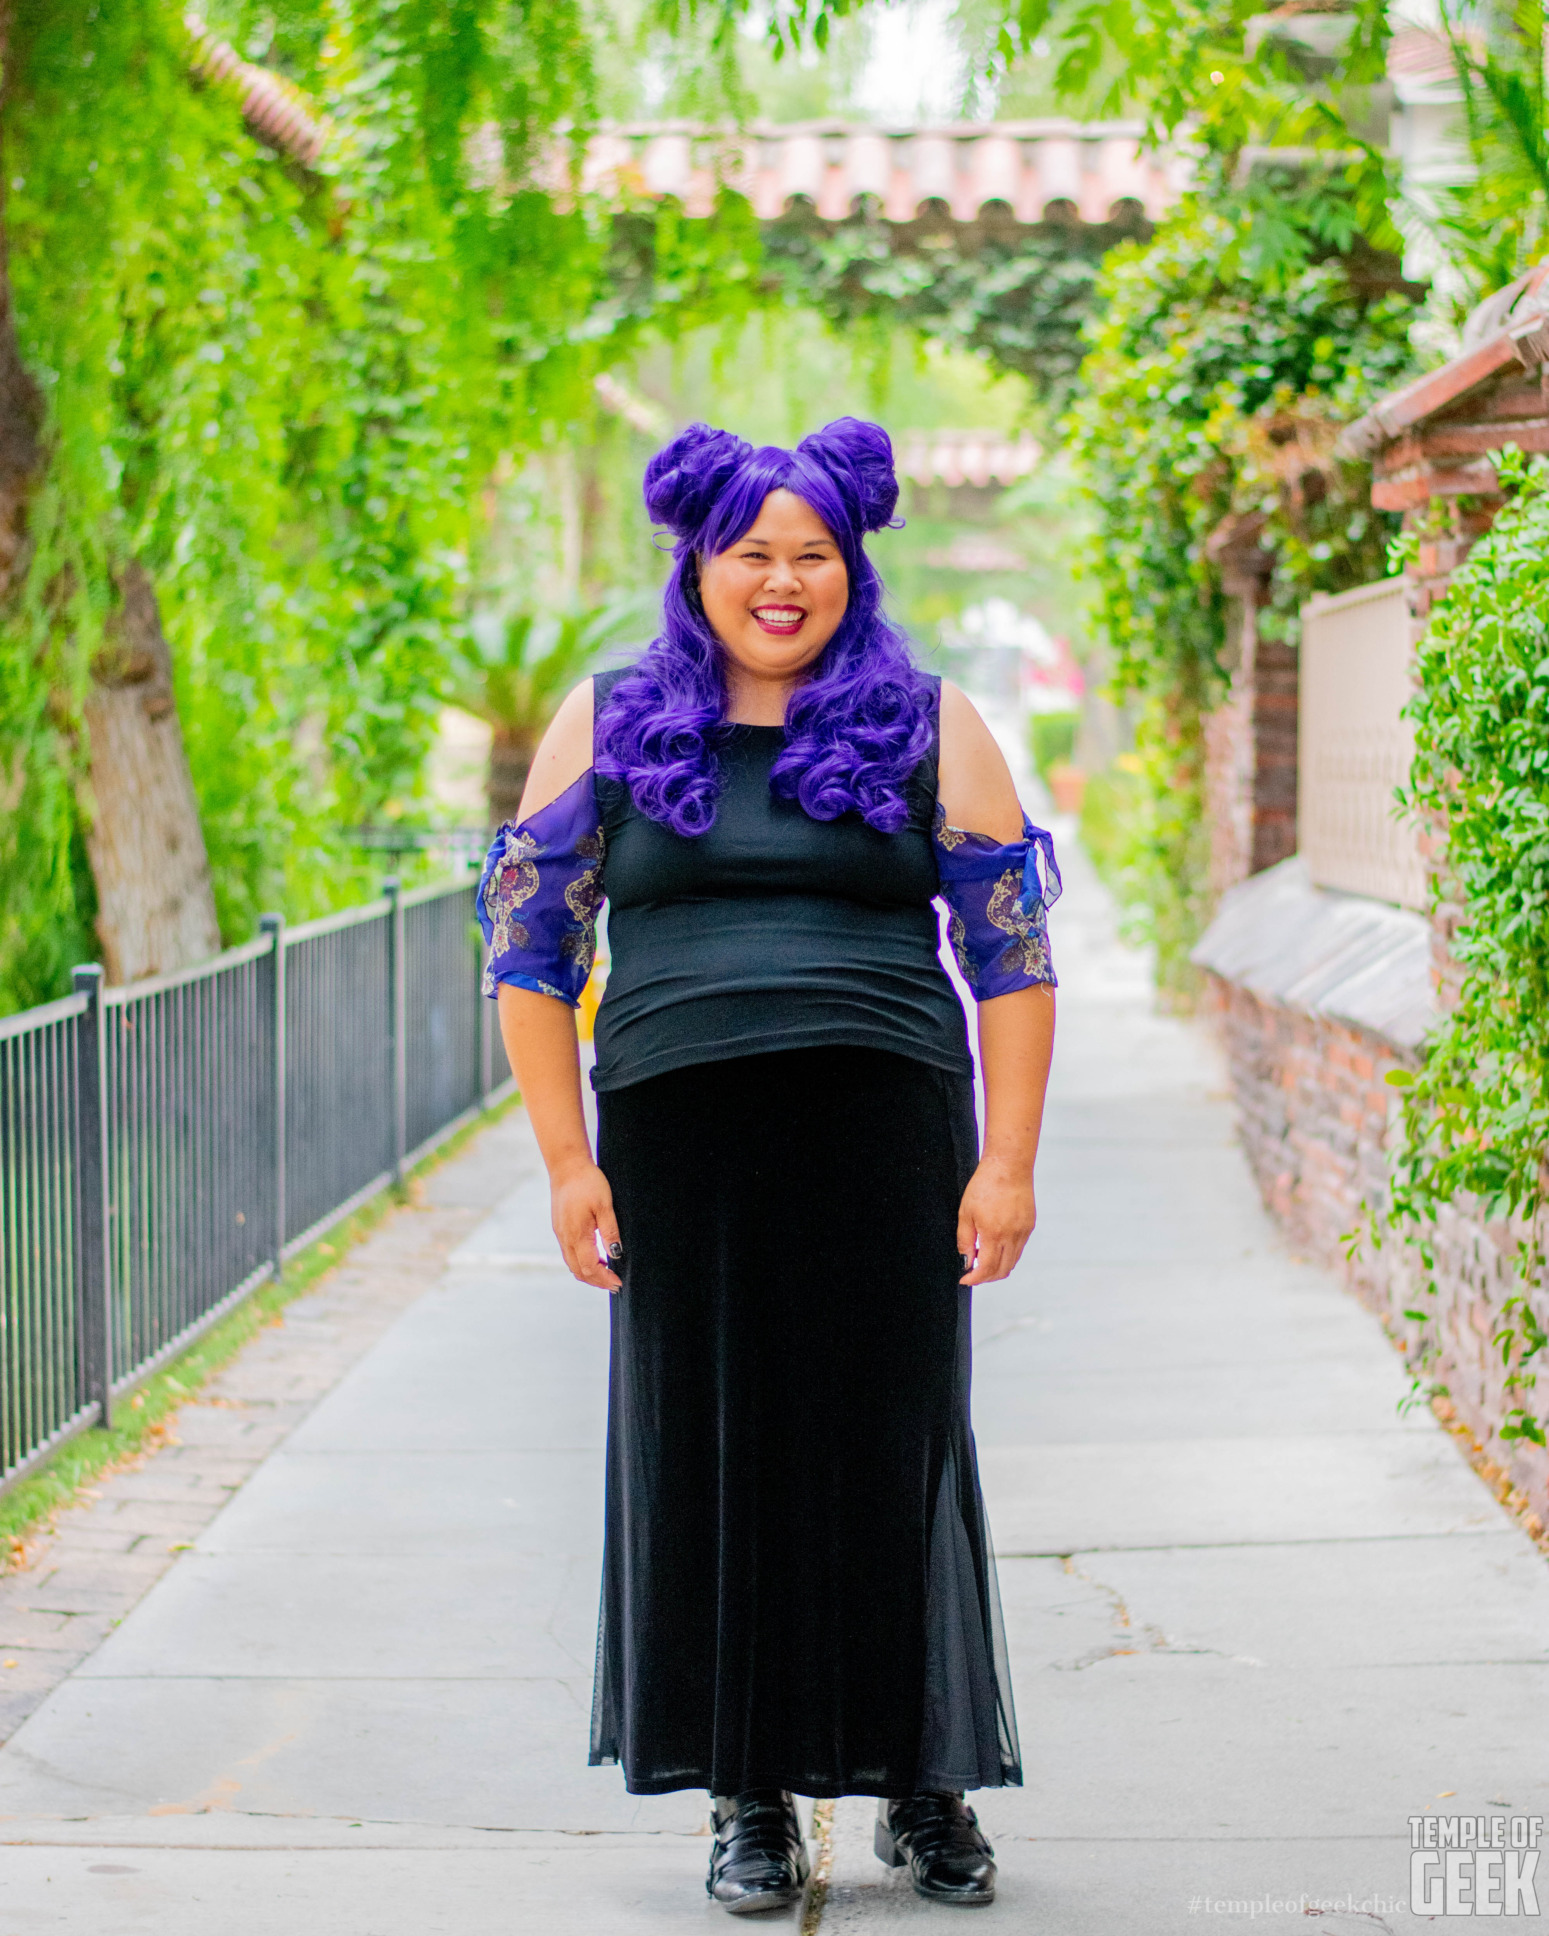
(1476, 1114)
(1210, 402)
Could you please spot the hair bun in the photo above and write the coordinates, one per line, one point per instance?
(683, 480)
(858, 456)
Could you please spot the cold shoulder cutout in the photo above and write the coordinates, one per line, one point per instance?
(974, 782)
(564, 753)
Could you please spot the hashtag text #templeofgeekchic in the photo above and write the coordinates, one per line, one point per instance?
(1255, 1906)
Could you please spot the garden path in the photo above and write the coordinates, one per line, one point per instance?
(1257, 1618)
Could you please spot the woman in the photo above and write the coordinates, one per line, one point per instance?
(798, 1588)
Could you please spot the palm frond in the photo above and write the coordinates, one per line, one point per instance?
(516, 681)
(1518, 98)
(1497, 224)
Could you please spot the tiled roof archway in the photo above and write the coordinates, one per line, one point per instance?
(1027, 171)
(275, 111)
(954, 457)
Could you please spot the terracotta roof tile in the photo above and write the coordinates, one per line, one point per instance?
(1509, 329)
(1027, 166)
(276, 110)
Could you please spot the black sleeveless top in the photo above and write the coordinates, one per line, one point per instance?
(770, 931)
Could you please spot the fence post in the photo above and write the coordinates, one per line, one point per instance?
(486, 1015)
(93, 1310)
(274, 924)
(398, 1024)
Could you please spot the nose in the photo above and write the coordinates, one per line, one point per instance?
(781, 577)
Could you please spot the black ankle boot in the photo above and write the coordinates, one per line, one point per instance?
(759, 1860)
(940, 1838)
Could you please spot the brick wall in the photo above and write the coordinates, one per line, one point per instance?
(1274, 765)
(1250, 754)
(1315, 1118)
(1229, 790)
(1312, 1111)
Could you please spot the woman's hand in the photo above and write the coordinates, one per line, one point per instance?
(583, 1211)
(1016, 1039)
(540, 1038)
(995, 1220)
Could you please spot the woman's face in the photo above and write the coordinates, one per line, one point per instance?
(775, 598)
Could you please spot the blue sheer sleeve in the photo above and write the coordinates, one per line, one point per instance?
(539, 895)
(997, 899)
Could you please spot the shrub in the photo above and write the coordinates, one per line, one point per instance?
(1053, 739)
(1476, 1117)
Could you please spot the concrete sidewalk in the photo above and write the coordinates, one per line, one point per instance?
(1257, 1619)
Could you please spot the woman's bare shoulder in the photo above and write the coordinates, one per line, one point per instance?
(973, 781)
(564, 753)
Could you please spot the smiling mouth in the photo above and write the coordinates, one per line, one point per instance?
(780, 620)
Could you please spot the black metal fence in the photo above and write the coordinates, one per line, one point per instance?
(164, 1147)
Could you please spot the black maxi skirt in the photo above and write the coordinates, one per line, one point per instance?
(798, 1587)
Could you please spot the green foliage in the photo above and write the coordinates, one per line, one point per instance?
(284, 392)
(676, 271)
(1211, 401)
(1193, 61)
(1497, 224)
(1053, 739)
(1314, 81)
(1477, 1114)
(1111, 824)
(1020, 301)
(516, 682)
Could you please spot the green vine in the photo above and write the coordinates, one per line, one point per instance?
(1211, 400)
(1021, 298)
(284, 392)
(1476, 1115)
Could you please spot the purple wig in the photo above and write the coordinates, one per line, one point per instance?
(860, 722)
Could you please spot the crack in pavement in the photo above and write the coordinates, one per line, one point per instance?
(1130, 1638)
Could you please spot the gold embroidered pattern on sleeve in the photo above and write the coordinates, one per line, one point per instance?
(583, 897)
(513, 881)
(1028, 952)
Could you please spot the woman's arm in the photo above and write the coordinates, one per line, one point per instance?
(973, 781)
(1016, 1030)
(564, 753)
(999, 1210)
(540, 1037)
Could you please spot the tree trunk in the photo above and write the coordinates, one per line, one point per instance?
(510, 761)
(156, 910)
